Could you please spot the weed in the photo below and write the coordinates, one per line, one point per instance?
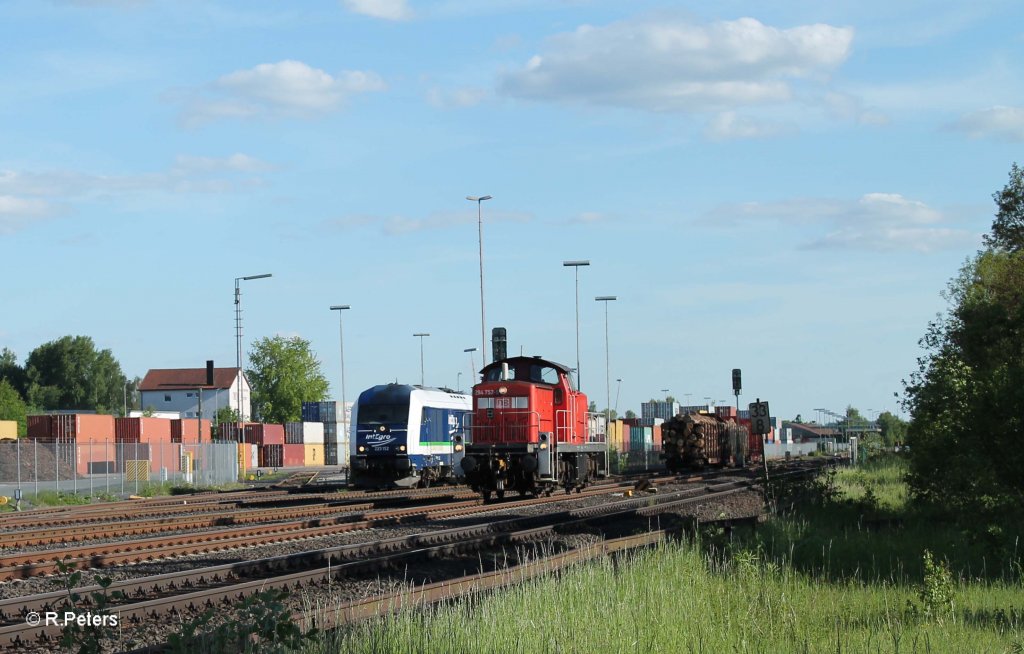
(262, 618)
(90, 637)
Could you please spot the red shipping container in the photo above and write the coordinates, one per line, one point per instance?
(294, 455)
(272, 456)
(258, 433)
(142, 430)
(190, 430)
(39, 428)
(82, 428)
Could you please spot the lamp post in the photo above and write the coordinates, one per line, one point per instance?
(607, 369)
(480, 241)
(472, 366)
(341, 342)
(458, 381)
(126, 382)
(238, 336)
(707, 401)
(617, 389)
(421, 335)
(665, 391)
(576, 266)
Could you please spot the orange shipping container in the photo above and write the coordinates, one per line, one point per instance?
(82, 428)
(314, 454)
(142, 430)
(188, 430)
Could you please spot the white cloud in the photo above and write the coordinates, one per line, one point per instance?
(729, 126)
(186, 164)
(875, 221)
(188, 174)
(672, 65)
(287, 88)
(18, 213)
(386, 9)
(455, 99)
(999, 123)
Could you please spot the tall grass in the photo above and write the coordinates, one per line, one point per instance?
(678, 599)
(857, 571)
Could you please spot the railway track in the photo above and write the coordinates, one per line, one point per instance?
(181, 593)
(149, 600)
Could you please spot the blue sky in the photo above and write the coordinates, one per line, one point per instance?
(784, 189)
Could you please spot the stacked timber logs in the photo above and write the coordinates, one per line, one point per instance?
(695, 440)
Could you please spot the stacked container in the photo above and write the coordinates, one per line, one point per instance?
(258, 433)
(190, 431)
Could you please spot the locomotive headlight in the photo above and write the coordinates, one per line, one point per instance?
(543, 446)
(458, 448)
(362, 449)
(401, 448)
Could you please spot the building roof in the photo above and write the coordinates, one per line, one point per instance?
(816, 431)
(179, 379)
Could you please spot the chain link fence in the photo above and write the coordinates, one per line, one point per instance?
(31, 466)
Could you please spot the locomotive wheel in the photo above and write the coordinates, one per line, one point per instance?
(487, 495)
(501, 494)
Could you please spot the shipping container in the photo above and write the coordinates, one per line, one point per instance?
(259, 433)
(271, 456)
(293, 433)
(314, 455)
(8, 428)
(725, 412)
(190, 430)
(313, 433)
(81, 428)
(39, 428)
(294, 455)
(310, 412)
(330, 454)
(142, 430)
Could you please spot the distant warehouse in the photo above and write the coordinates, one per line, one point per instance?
(180, 389)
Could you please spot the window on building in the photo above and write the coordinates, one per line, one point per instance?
(167, 398)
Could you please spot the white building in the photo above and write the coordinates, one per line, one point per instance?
(180, 389)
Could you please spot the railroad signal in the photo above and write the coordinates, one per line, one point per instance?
(736, 383)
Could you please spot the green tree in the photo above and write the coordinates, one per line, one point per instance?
(224, 414)
(12, 407)
(285, 372)
(630, 414)
(966, 395)
(12, 372)
(893, 429)
(70, 373)
(1008, 227)
(798, 418)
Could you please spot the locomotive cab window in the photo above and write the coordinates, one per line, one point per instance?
(543, 374)
(383, 413)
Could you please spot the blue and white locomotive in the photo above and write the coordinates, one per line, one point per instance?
(404, 436)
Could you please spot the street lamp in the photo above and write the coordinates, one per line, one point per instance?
(341, 342)
(607, 369)
(421, 356)
(576, 266)
(665, 391)
(472, 366)
(238, 335)
(480, 241)
(126, 382)
(617, 389)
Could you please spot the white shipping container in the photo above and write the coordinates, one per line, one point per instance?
(312, 433)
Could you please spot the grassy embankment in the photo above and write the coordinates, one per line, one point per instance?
(847, 566)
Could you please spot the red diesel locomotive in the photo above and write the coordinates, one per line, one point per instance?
(531, 431)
